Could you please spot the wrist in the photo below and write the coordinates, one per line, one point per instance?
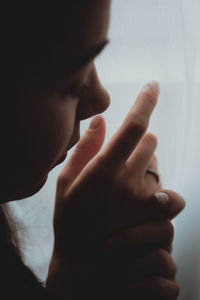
(69, 280)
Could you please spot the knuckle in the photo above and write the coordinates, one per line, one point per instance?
(81, 146)
(155, 159)
(166, 263)
(162, 257)
(169, 230)
(152, 139)
(162, 288)
(158, 283)
(84, 145)
(137, 124)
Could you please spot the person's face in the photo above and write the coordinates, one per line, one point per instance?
(55, 95)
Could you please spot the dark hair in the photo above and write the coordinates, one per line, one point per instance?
(7, 238)
(17, 280)
(29, 30)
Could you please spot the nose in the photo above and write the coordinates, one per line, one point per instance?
(94, 98)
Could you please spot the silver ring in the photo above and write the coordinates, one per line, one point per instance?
(154, 173)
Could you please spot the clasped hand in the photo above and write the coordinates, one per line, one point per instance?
(112, 235)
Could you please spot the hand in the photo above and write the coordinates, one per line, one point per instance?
(137, 262)
(110, 193)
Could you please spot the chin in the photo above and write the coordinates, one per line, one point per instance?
(22, 193)
(37, 187)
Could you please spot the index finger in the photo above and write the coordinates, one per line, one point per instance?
(134, 126)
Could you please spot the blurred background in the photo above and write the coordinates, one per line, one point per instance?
(149, 39)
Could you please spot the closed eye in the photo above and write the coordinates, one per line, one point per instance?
(82, 60)
(72, 91)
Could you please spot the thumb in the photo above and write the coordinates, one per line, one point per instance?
(88, 146)
(170, 202)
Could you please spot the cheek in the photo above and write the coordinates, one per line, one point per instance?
(43, 135)
(55, 134)
(58, 134)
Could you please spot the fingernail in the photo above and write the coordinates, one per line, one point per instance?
(96, 122)
(154, 85)
(162, 198)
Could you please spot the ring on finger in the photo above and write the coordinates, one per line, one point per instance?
(153, 173)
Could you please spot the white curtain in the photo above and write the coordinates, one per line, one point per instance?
(149, 39)
(160, 39)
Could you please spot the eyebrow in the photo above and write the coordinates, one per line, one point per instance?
(83, 59)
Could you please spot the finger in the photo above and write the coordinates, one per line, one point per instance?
(171, 202)
(150, 235)
(141, 158)
(156, 263)
(153, 163)
(150, 178)
(152, 181)
(165, 204)
(86, 149)
(170, 249)
(154, 288)
(134, 126)
(159, 206)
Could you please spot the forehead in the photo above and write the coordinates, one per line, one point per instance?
(88, 20)
(84, 28)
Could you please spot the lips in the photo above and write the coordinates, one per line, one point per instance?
(74, 139)
(75, 136)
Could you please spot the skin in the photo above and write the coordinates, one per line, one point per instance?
(49, 101)
(118, 216)
(46, 119)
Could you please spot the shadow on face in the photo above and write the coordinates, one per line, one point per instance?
(53, 86)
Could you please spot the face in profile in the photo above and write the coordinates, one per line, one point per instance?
(55, 95)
